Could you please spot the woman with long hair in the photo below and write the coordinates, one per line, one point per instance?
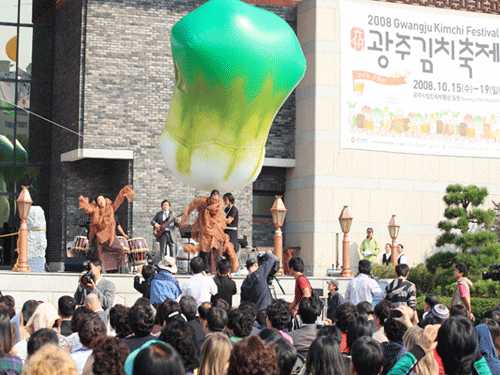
(215, 354)
(427, 365)
(324, 357)
(9, 364)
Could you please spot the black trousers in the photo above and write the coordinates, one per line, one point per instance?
(165, 240)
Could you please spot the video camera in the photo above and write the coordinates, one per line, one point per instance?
(274, 268)
(89, 275)
(495, 276)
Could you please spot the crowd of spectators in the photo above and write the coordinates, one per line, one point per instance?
(203, 335)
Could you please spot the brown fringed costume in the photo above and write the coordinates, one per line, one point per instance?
(102, 228)
(208, 230)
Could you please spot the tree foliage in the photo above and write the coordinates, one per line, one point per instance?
(461, 214)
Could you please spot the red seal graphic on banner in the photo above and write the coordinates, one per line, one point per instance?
(357, 38)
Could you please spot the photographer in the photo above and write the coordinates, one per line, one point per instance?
(255, 287)
(91, 281)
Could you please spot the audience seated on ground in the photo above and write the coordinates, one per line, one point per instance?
(252, 310)
(181, 336)
(239, 325)
(253, 356)
(459, 310)
(66, 308)
(324, 357)
(73, 340)
(202, 311)
(164, 311)
(309, 310)
(332, 331)
(188, 308)
(8, 304)
(107, 358)
(40, 338)
(50, 360)
(381, 313)
(215, 354)
(486, 344)
(223, 304)
(456, 345)
(118, 320)
(343, 315)
(286, 353)
(93, 303)
(140, 319)
(355, 329)
(90, 327)
(27, 311)
(278, 317)
(427, 365)
(158, 358)
(430, 301)
(216, 321)
(367, 356)
(493, 314)
(494, 328)
(366, 308)
(44, 316)
(394, 348)
(8, 362)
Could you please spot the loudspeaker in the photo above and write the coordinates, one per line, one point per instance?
(74, 264)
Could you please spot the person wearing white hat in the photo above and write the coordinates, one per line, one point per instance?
(164, 285)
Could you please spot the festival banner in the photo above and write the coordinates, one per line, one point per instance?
(420, 82)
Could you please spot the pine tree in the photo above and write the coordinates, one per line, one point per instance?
(461, 213)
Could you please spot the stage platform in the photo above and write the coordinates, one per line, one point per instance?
(48, 287)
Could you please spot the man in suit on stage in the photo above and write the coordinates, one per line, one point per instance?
(166, 239)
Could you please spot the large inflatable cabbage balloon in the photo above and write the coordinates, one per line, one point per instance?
(7, 173)
(235, 65)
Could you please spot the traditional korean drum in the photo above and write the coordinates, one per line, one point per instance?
(123, 241)
(138, 250)
(80, 246)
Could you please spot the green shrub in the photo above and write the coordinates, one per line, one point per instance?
(485, 288)
(384, 272)
(438, 260)
(422, 278)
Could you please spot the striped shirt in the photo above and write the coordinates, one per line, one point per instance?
(401, 293)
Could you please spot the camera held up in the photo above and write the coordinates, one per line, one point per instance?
(274, 268)
(89, 275)
(495, 276)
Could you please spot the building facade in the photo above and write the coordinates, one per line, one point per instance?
(103, 70)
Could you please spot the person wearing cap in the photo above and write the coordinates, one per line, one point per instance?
(439, 311)
(255, 288)
(334, 298)
(369, 248)
(164, 285)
